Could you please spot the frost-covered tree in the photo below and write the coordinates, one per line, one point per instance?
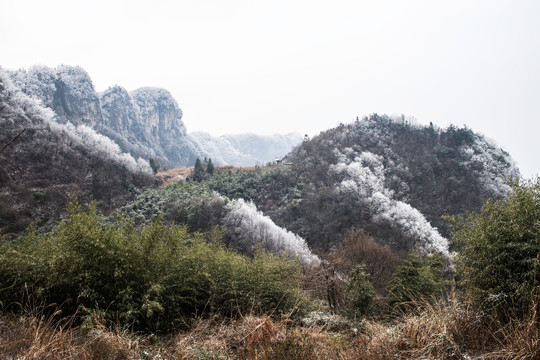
(364, 180)
(51, 159)
(248, 229)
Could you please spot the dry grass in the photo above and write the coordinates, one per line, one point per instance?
(172, 176)
(449, 330)
(51, 338)
(246, 338)
(452, 330)
(261, 338)
(519, 339)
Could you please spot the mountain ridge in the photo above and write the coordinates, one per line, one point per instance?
(146, 122)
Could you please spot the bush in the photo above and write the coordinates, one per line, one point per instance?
(417, 280)
(155, 278)
(500, 248)
(360, 248)
(361, 291)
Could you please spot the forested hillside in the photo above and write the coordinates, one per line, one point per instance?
(48, 160)
(386, 176)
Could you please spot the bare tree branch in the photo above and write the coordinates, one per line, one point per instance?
(12, 140)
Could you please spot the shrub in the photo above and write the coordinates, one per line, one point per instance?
(500, 247)
(360, 248)
(418, 279)
(361, 291)
(155, 278)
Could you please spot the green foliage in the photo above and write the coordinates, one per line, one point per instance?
(418, 279)
(198, 171)
(188, 203)
(155, 278)
(500, 248)
(210, 167)
(269, 183)
(361, 291)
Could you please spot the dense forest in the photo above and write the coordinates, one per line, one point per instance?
(378, 239)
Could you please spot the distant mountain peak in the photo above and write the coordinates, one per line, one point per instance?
(146, 122)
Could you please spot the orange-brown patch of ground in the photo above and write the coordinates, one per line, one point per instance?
(172, 176)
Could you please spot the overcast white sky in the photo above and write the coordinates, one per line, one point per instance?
(279, 66)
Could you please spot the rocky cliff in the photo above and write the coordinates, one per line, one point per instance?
(42, 160)
(146, 122)
(67, 90)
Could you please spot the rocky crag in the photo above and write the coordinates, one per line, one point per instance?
(146, 122)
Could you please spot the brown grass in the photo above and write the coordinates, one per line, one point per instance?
(449, 330)
(452, 330)
(172, 176)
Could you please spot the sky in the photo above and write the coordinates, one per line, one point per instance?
(281, 66)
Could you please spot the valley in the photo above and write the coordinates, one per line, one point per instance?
(376, 239)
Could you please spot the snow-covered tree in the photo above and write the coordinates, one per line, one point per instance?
(249, 229)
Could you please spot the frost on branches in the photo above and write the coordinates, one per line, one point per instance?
(32, 113)
(363, 177)
(491, 164)
(249, 229)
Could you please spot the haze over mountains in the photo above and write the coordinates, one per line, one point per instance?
(97, 146)
(145, 122)
(387, 176)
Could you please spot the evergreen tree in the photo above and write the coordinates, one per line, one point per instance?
(198, 171)
(210, 167)
(418, 279)
(361, 291)
(154, 164)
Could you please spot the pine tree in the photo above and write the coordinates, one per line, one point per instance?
(361, 291)
(210, 167)
(154, 165)
(198, 171)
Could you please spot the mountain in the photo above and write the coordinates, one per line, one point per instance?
(387, 176)
(67, 91)
(265, 148)
(146, 122)
(246, 149)
(48, 157)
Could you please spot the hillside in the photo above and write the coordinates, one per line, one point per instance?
(386, 176)
(336, 251)
(51, 159)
